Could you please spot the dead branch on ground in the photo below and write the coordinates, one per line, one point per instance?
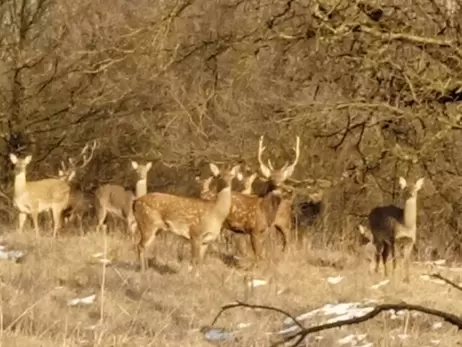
(297, 338)
(448, 281)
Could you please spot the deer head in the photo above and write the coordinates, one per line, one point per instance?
(67, 171)
(277, 176)
(410, 190)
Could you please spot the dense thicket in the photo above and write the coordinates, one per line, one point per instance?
(372, 89)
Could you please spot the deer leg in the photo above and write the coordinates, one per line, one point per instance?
(142, 256)
(57, 214)
(283, 231)
(378, 254)
(101, 213)
(393, 254)
(195, 251)
(21, 219)
(407, 250)
(241, 244)
(385, 254)
(256, 239)
(34, 216)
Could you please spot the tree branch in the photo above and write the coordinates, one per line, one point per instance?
(298, 337)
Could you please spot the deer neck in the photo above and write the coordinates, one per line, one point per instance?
(141, 187)
(410, 212)
(20, 183)
(223, 202)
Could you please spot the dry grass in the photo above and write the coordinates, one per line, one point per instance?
(167, 307)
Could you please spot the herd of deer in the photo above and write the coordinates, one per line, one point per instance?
(392, 230)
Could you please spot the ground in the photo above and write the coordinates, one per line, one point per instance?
(167, 306)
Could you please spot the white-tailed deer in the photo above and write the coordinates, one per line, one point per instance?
(34, 197)
(79, 201)
(394, 228)
(118, 201)
(195, 219)
(276, 178)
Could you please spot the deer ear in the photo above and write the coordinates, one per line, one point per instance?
(134, 164)
(402, 182)
(28, 159)
(149, 165)
(419, 183)
(236, 170)
(13, 158)
(215, 170)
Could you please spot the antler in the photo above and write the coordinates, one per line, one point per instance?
(290, 168)
(86, 154)
(266, 171)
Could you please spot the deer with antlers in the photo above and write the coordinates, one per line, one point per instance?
(79, 202)
(254, 215)
(276, 178)
(393, 227)
(118, 201)
(34, 197)
(195, 219)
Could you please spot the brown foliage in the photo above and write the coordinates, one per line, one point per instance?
(373, 93)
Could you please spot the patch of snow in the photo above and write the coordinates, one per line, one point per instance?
(380, 284)
(256, 283)
(84, 301)
(335, 280)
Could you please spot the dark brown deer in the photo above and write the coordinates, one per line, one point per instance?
(393, 227)
(80, 202)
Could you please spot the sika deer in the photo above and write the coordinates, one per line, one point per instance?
(118, 201)
(391, 225)
(195, 219)
(254, 215)
(33, 197)
(276, 177)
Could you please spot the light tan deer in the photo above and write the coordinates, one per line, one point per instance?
(367, 248)
(195, 219)
(79, 201)
(393, 227)
(118, 201)
(34, 197)
(277, 177)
